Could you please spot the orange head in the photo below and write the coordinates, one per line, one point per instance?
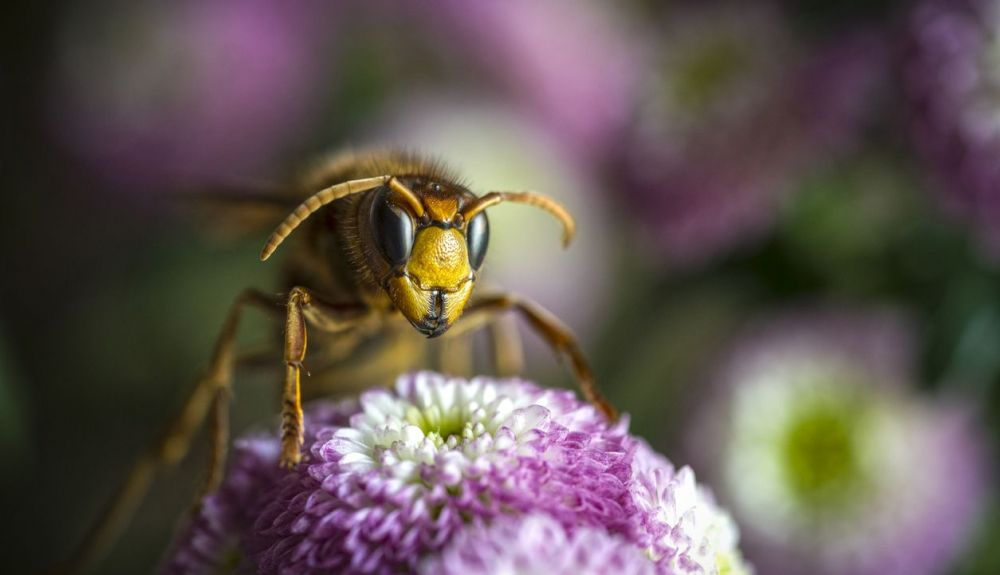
(424, 242)
(431, 258)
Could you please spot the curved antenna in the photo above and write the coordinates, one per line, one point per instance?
(532, 199)
(411, 199)
(331, 194)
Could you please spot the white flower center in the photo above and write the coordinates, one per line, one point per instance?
(454, 427)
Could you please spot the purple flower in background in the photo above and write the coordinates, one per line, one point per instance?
(573, 64)
(435, 466)
(150, 95)
(950, 70)
(734, 110)
(829, 463)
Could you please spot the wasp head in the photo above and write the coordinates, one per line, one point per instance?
(433, 257)
(425, 240)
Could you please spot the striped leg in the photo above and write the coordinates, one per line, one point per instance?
(558, 336)
(306, 308)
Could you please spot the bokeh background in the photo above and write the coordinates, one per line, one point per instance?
(787, 269)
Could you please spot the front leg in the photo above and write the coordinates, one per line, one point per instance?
(546, 325)
(304, 307)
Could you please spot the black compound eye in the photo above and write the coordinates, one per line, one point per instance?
(392, 227)
(478, 237)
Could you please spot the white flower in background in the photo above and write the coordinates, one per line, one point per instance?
(829, 463)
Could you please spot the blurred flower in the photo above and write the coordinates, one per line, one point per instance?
(495, 148)
(734, 111)
(538, 544)
(151, 94)
(573, 64)
(438, 463)
(950, 73)
(830, 466)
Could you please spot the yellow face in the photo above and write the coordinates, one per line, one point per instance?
(432, 260)
(437, 280)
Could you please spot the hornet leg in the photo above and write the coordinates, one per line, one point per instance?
(212, 390)
(558, 336)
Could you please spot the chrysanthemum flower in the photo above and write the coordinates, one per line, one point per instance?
(735, 109)
(682, 528)
(950, 77)
(394, 481)
(829, 464)
(538, 544)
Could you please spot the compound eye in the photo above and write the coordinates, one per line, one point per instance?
(392, 227)
(478, 237)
